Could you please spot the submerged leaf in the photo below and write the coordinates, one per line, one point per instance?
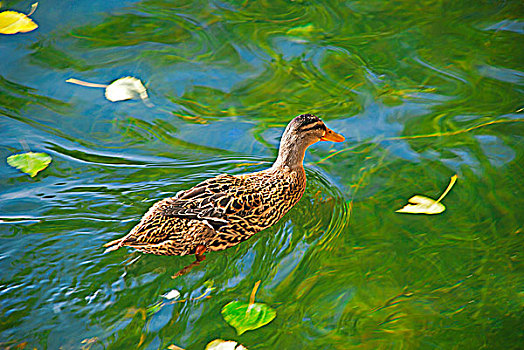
(88, 343)
(219, 344)
(244, 317)
(12, 22)
(301, 30)
(30, 163)
(126, 88)
(422, 205)
(153, 309)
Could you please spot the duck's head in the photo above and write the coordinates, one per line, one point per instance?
(300, 133)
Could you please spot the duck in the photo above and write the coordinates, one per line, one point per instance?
(226, 210)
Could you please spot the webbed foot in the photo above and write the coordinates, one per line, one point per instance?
(199, 255)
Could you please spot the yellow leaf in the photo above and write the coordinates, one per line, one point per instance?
(30, 163)
(12, 22)
(424, 205)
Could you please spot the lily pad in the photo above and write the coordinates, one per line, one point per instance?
(245, 316)
(30, 163)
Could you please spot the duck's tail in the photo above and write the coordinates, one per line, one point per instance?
(113, 245)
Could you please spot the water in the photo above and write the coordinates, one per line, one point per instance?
(422, 90)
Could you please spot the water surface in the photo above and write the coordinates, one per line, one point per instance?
(422, 90)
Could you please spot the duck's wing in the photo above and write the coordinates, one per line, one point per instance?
(223, 210)
(214, 200)
(199, 212)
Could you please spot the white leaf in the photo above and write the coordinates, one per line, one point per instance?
(422, 205)
(126, 88)
(172, 294)
(219, 344)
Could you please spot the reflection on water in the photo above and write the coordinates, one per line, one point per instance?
(421, 90)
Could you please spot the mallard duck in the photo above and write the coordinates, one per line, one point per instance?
(225, 210)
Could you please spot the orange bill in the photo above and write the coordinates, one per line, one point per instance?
(330, 135)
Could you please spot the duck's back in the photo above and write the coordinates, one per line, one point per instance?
(218, 213)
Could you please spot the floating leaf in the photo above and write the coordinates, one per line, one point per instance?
(172, 294)
(85, 83)
(219, 344)
(174, 347)
(244, 317)
(423, 205)
(30, 163)
(126, 88)
(12, 22)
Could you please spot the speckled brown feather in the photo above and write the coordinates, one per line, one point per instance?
(225, 210)
(217, 213)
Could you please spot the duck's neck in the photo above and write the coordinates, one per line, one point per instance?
(291, 153)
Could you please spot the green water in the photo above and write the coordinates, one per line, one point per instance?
(422, 90)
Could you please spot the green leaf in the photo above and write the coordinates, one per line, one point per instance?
(30, 163)
(301, 30)
(244, 317)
